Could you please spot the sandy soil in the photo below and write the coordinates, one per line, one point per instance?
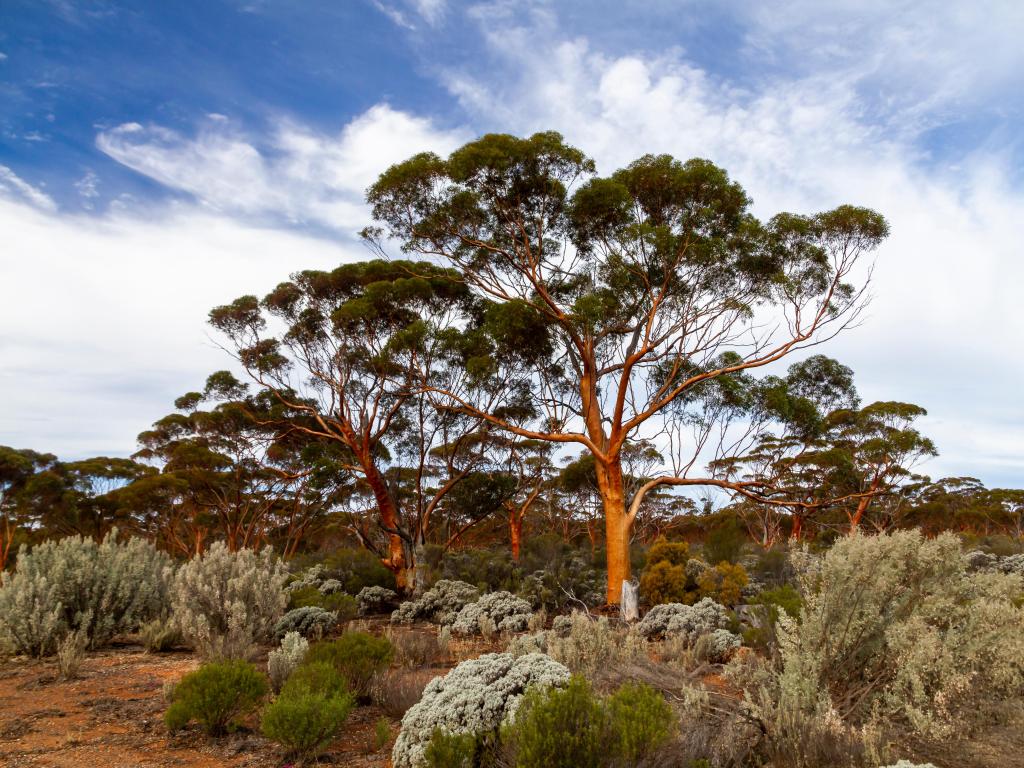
(112, 717)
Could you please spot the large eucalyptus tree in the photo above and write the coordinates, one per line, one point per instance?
(624, 297)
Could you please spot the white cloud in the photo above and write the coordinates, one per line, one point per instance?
(88, 188)
(109, 321)
(299, 175)
(11, 185)
(946, 306)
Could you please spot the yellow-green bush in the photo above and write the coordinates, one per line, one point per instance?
(357, 656)
(572, 727)
(724, 583)
(305, 723)
(216, 695)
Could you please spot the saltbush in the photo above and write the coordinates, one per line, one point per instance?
(160, 635)
(476, 697)
(507, 612)
(357, 656)
(685, 621)
(75, 585)
(371, 600)
(897, 627)
(284, 660)
(308, 621)
(440, 604)
(225, 602)
(216, 695)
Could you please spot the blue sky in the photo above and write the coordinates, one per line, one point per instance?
(159, 158)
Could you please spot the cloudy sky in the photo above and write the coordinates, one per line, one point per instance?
(157, 159)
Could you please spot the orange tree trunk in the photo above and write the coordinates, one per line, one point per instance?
(515, 533)
(617, 524)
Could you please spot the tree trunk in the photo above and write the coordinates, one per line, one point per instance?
(613, 498)
(396, 560)
(515, 533)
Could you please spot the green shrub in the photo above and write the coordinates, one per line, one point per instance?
(572, 727)
(724, 543)
(319, 678)
(640, 721)
(560, 728)
(215, 696)
(357, 568)
(450, 750)
(304, 722)
(75, 585)
(768, 605)
(357, 656)
(338, 602)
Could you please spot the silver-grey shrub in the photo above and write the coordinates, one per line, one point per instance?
(508, 613)
(477, 697)
(225, 602)
(896, 627)
(686, 621)
(308, 621)
(439, 604)
(76, 585)
(375, 599)
(286, 659)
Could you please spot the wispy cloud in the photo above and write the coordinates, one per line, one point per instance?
(12, 185)
(296, 175)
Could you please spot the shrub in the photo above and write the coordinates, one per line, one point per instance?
(895, 626)
(724, 583)
(160, 635)
(305, 723)
(663, 582)
(381, 733)
(686, 621)
(226, 601)
(560, 728)
(440, 604)
(397, 690)
(356, 569)
(671, 552)
(507, 612)
(571, 726)
(415, 649)
(476, 697)
(764, 613)
(339, 603)
(75, 585)
(357, 656)
(592, 644)
(717, 646)
(283, 661)
(215, 696)
(724, 542)
(450, 750)
(70, 655)
(488, 569)
(317, 677)
(308, 621)
(640, 721)
(371, 600)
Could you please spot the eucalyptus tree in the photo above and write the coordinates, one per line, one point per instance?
(626, 293)
(343, 353)
(17, 466)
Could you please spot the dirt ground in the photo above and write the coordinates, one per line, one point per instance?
(112, 717)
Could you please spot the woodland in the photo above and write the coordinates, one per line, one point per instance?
(561, 475)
